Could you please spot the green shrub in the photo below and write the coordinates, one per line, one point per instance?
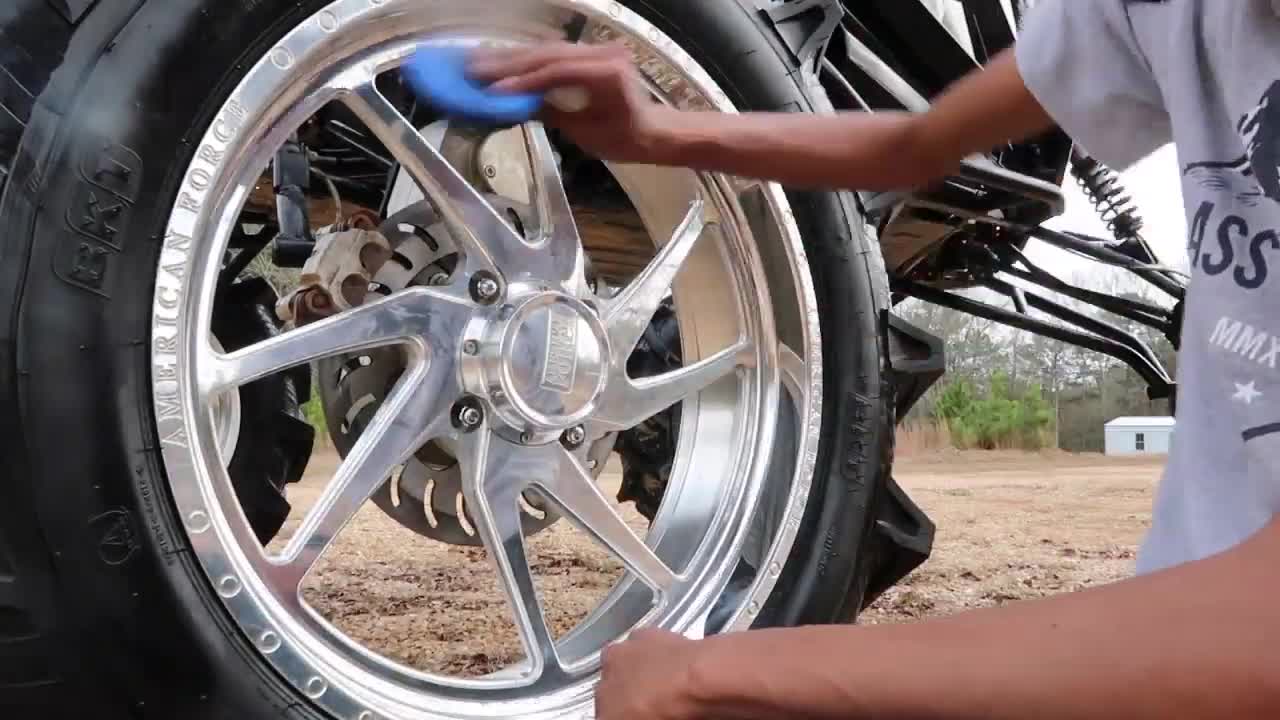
(313, 411)
(998, 418)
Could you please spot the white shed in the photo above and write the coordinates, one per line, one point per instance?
(1139, 435)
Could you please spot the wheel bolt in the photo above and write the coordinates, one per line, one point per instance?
(440, 278)
(574, 437)
(468, 415)
(485, 288)
(526, 437)
(470, 347)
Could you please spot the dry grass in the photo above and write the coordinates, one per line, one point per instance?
(1014, 526)
(1011, 526)
(919, 437)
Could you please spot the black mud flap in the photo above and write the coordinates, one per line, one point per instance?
(902, 537)
(917, 360)
(900, 542)
(804, 27)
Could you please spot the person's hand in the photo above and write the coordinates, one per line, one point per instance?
(619, 122)
(649, 677)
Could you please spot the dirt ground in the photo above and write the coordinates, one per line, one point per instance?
(1011, 526)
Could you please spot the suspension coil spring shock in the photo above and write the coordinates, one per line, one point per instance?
(1102, 185)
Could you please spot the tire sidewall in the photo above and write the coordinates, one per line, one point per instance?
(143, 628)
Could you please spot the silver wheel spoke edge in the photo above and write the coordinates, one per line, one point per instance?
(467, 214)
(629, 313)
(580, 498)
(792, 369)
(492, 484)
(417, 411)
(628, 403)
(561, 246)
(399, 318)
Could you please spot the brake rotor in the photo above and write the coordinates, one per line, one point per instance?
(425, 495)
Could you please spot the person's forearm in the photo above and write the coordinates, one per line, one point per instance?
(851, 150)
(855, 150)
(1196, 642)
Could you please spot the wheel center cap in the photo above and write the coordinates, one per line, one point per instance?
(552, 361)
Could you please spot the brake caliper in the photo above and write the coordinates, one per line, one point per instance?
(337, 275)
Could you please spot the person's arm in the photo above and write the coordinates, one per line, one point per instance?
(866, 151)
(855, 150)
(1196, 641)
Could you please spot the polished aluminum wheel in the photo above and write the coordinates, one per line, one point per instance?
(512, 364)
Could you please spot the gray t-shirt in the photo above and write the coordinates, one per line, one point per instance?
(1126, 77)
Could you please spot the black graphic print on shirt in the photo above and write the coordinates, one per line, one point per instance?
(1222, 241)
(1256, 174)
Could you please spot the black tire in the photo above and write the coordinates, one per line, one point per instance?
(104, 613)
(275, 440)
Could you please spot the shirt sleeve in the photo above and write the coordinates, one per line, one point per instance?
(1081, 61)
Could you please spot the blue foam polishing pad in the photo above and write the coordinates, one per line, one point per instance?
(438, 76)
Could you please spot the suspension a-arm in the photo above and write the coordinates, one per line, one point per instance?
(1094, 334)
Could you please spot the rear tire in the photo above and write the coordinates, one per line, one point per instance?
(104, 612)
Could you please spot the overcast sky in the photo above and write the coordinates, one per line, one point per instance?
(1154, 185)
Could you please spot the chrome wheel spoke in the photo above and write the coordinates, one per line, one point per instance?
(399, 318)
(468, 216)
(417, 411)
(494, 476)
(581, 500)
(629, 314)
(559, 248)
(627, 404)
(792, 371)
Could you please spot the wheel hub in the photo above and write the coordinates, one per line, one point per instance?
(543, 361)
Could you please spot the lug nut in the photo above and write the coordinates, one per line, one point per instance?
(471, 347)
(485, 288)
(526, 437)
(490, 172)
(468, 415)
(574, 437)
(440, 278)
